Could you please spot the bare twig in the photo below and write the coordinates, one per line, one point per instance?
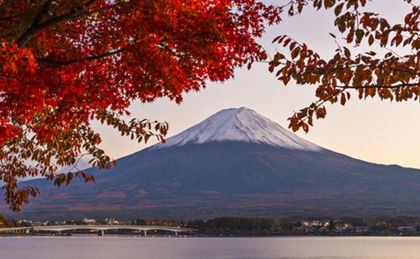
(379, 86)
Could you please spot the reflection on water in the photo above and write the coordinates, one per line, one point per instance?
(209, 248)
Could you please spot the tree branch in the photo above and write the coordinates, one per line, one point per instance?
(26, 36)
(72, 61)
(37, 26)
(379, 86)
(17, 79)
(75, 13)
(9, 17)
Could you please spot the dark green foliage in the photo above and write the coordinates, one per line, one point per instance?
(241, 226)
(288, 225)
(331, 225)
(140, 222)
(197, 224)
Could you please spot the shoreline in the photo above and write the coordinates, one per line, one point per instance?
(198, 237)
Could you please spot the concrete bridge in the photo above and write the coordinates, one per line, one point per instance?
(99, 228)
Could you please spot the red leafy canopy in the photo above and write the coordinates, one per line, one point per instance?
(64, 63)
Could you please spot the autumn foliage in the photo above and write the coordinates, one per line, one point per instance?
(66, 63)
(392, 75)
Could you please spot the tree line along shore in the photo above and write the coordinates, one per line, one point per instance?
(261, 226)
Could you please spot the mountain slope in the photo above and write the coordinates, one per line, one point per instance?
(236, 162)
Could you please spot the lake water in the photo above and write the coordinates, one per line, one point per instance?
(208, 248)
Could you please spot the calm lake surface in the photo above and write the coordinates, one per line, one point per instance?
(206, 248)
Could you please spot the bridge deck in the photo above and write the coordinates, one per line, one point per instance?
(94, 227)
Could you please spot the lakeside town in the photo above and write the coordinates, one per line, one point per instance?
(245, 226)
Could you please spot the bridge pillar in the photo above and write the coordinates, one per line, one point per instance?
(145, 233)
(27, 231)
(101, 233)
(176, 233)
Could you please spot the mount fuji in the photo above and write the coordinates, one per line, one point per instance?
(236, 162)
(242, 125)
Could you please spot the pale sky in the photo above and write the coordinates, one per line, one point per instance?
(371, 130)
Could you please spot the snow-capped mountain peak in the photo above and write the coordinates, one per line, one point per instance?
(239, 124)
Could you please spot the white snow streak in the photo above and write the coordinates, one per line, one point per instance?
(241, 124)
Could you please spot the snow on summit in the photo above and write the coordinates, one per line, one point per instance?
(239, 124)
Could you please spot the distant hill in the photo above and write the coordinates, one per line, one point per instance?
(236, 162)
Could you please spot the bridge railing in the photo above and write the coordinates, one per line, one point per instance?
(102, 228)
